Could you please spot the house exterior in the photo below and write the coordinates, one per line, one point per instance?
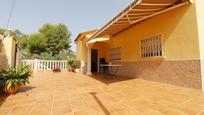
(157, 40)
(82, 51)
(8, 52)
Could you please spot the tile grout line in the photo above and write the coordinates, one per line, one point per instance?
(177, 105)
(189, 100)
(88, 105)
(200, 112)
(32, 108)
(11, 108)
(129, 108)
(126, 104)
(160, 85)
(69, 102)
(53, 96)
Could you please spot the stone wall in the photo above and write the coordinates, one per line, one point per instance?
(184, 73)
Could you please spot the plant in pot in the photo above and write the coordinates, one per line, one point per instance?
(71, 66)
(77, 65)
(13, 79)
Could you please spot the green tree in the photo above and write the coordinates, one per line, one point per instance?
(58, 37)
(46, 56)
(63, 55)
(22, 39)
(51, 42)
(15, 33)
(37, 43)
(2, 31)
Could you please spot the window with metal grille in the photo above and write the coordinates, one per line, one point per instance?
(115, 54)
(151, 46)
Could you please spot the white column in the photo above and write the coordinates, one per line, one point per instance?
(200, 23)
(82, 67)
(35, 65)
(89, 62)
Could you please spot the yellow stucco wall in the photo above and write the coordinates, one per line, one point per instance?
(7, 55)
(81, 53)
(1, 54)
(13, 52)
(103, 50)
(78, 50)
(179, 31)
(82, 50)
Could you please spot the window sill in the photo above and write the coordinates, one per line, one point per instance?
(158, 58)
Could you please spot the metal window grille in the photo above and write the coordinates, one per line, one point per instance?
(152, 47)
(115, 54)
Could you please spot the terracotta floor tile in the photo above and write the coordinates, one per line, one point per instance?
(73, 94)
(192, 108)
(85, 112)
(4, 110)
(21, 108)
(175, 112)
(40, 112)
(62, 110)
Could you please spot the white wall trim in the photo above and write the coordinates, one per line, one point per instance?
(200, 25)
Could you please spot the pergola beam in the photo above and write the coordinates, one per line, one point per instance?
(157, 13)
(137, 11)
(155, 4)
(128, 18)
(147, 10)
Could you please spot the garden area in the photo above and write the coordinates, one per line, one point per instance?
(50, 42)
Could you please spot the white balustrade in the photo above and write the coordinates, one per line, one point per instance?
(41, 65)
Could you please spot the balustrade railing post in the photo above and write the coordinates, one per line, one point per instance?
(35, 65)
(41, 65)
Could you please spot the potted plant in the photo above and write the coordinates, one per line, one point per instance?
(13, 79)
(56, 68)
(77, 65)
(71, 67)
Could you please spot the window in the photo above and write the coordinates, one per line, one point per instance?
(151, 46)
(115, 54)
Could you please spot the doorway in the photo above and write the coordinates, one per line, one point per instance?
(94, 60)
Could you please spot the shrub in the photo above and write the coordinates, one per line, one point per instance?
(14, 76)
(70, 63)
(76, 64)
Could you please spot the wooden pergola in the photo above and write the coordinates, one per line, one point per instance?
(136, 12)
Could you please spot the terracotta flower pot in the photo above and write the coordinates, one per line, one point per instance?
(12, 90)
(71, 70)
(18, 86)
(77, 70)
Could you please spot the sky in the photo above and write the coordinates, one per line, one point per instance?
(78, 15)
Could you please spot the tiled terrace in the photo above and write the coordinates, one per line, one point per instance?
(72, 94)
